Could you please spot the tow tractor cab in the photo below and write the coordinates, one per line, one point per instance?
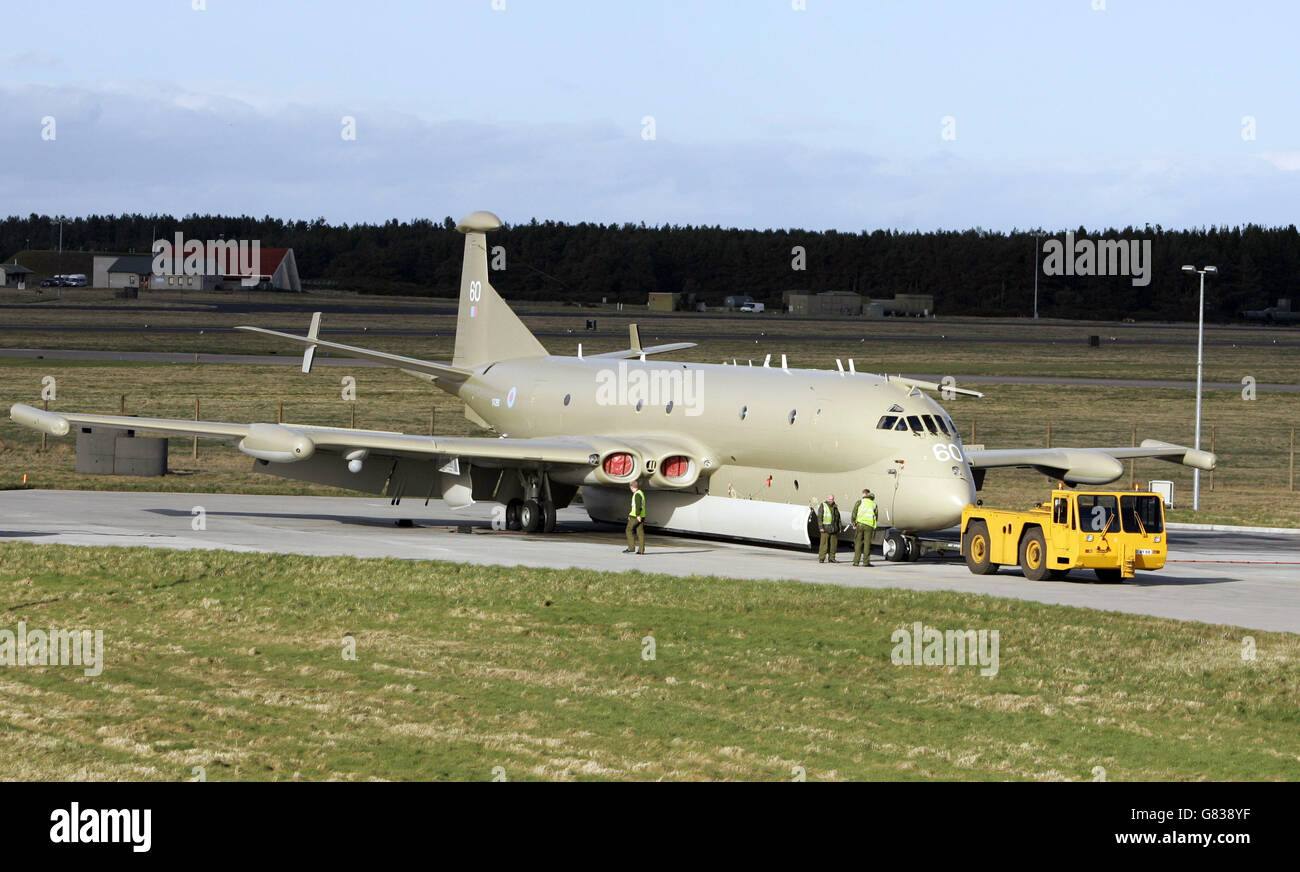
(1113, 533)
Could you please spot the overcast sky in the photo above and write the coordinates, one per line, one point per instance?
(900, 114)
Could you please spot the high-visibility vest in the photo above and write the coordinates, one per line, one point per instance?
(827, 516)
(866, 515)
(638, 504)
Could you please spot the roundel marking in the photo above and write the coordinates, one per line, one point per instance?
(510, 398)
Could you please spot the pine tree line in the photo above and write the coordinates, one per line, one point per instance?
(969, 272)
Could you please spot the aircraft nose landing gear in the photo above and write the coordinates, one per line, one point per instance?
(899, 547)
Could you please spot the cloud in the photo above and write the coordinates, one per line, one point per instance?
(186, 150)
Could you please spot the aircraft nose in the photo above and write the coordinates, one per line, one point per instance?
(931, 503)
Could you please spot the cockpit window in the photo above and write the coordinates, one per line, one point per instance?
(914, 422)
(886, 422)
(929, 424)
(901, 425)
(938, 419)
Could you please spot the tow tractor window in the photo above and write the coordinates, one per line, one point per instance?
(1060, 510)
(929, 424)
(1097, 513)
(1141, 513)
(886, 422)
(915, 423)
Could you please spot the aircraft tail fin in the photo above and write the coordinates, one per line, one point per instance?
(487, 330)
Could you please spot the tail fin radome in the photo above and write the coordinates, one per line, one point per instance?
(487, 330)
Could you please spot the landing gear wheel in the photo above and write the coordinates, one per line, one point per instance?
(913, 548)
(548, 516)
(1033, 555)
(894, 548)
(1109, 576)
(530, 516)
(512, 514)
(975, 548)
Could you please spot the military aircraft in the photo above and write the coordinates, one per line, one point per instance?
(723, 450)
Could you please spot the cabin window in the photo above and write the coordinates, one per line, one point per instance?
(744, 410)
(794, 413)
(567, 397)
(668, 409)
(1141, 513)
(1097, 513)
(886, 422)
(639, 404)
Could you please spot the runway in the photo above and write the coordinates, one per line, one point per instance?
(1250, 580)
(293, 359)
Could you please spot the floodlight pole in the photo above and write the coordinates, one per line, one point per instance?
(1200, 360)
(1036, 238)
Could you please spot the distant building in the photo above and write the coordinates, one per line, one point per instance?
(13, 273)
(661, 301)
(825, 303)
(735, 301)
(129, 271)
(277, 269)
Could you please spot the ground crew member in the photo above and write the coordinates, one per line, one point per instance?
(828, 518)
(863, 521)
(636, 521)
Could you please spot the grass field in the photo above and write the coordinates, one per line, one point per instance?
(235, 663)
(957, 346)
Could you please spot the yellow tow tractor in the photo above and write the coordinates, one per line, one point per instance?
(1113, 533)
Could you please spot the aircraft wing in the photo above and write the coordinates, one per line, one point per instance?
(293, 443)
(1092, 466)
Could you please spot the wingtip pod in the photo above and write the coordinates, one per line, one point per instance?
(1193, 457)
(39, 419)
(276, 443)
(479, 222)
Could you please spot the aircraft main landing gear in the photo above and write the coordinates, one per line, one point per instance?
(533, 515)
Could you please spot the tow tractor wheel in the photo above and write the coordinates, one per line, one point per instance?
(512, 514)
(894, 547)
(530, 516)
(975, 549)
(548, 516)
(1033, 555)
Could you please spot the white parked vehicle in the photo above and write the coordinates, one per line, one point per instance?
(752, 307)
